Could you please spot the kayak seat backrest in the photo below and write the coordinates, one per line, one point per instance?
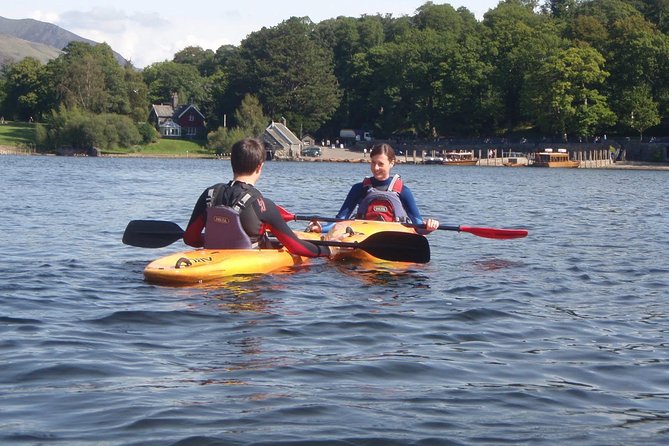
(224, 230)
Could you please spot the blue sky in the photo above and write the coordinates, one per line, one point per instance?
(148, 31)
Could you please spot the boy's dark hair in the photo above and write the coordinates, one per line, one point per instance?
(246, 155)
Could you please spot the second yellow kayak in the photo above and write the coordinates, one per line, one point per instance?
(352, 231)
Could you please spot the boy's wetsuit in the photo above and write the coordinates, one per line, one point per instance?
(259, 215)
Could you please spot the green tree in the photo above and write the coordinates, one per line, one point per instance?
(639, 56)
(289, 72)
(203, 60)
(217, 107)
(564, 93)
(561, 9)
(23, 89)
(165, 78)
(347, 37)
(417, 90)
(370, 32)
(341, 37)
(251, 121)
(516, 39)
(89, 77)
(604, 12)
(469, 103)
(221, 140)
(3, 92)
(399, 83)
(148, 132)
(655, 11)
(638, 110)
(590, 30)
(83, 85)
(223, 55)
(250, 117)
(138, 94)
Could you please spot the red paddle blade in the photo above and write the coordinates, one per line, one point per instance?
(501, 234)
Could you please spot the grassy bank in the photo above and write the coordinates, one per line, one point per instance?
(22, 134)
(166, 147)
(17, 134)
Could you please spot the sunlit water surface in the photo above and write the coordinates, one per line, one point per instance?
(559, 338)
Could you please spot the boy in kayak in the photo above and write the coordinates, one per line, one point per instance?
(237, 216)
(381, 196)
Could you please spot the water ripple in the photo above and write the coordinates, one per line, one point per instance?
(558, 338)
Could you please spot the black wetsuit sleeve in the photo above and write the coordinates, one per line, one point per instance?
(193, 234)
(200, 207)
(269, 214)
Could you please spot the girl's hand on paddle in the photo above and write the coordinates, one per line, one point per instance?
(314, 226)
(431, 224)
(334, 250)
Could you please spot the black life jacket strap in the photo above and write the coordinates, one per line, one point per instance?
(215, 197)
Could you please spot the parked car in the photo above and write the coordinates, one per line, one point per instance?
(312, 151)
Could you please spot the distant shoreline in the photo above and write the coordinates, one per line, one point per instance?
(329, 155)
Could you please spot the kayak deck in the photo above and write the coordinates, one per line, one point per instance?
(201, 265)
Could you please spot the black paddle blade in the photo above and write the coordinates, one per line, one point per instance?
(397, 246)
(389, 245)
(151, 233)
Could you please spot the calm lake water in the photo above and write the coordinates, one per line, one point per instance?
(558, 338)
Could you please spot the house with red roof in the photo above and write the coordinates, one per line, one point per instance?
(178, 121)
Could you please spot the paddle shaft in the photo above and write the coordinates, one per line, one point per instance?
(495, 233)
(386, 245)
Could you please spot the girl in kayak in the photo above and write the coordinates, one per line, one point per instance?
(236, 215)
(381, 196)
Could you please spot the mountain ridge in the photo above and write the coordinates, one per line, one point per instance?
(13, 49)
(20, 38)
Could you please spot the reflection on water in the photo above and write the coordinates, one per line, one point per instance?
(241, 295)
(381, 273)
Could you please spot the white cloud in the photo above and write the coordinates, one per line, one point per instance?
(45, 16)
(111, 20)
(142, 37)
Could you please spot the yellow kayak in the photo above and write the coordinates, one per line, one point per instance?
(202, 265)
(388, 240)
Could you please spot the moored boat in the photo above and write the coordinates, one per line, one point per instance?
(516, 159)
(551, 158)
(433, 160)
(461, 158)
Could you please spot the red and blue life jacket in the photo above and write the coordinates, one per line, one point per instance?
(382, 202)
